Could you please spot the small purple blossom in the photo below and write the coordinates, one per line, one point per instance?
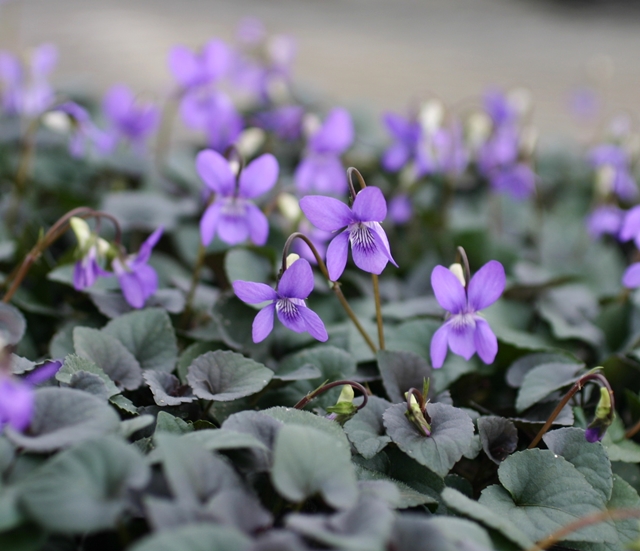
(137, 279)
(400, 209)
(287, 301)
(516, 180)
(232, 215)
(616, 160)
(465, 332)
(321, 169)
(285, 121)
(497, 106)
(16, 395)
(194, 69)
(442, 151)
(87, 270)
(595, 434)
(607, 219)
(584, 103)
(369, 242)
(83, 131)
(406, 133)
(128, 119)
(631, 276)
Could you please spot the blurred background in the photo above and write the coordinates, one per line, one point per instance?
(373, 53)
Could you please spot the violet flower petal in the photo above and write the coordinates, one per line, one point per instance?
(209, 222)
(486, 285)
(370, 257)
(608, 219)
(184, 66)
(233, 228)
(44, 372)
(16, 403)
(258, 225)
(252, 292)
(148, 279)
(216, 58)
(314, 324)
(321, 173)
(370, 205)
(297, 280)
(117, 102)
(631, 276)
(290, 317)
(395, 157)
(144, 253)
(449, 292)
(630, 225)
(215, 171)
(132, 289)
(326, 213)
(263, 323)
(462, 337)
(382, 242)
(485, 341)
(44, 60)
(335, 135)
(259, 176)
(439, 346)
(337, 252)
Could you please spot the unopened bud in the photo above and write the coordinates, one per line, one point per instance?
(291, 258)
(431, 115)
(57, 121)
(456, 270)
(250, 141)
(82, 231)
(289, 207)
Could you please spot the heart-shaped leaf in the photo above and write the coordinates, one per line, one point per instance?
(401, 371)
(543, 380)
(498, 436)
(365, 429)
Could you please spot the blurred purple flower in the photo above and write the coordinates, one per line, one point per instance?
(631, 226)
(128, 119)
(369, 242)
(287, 301)
(321, 169)
(400, 209)
(285, 121)
(517, 180)
(214, 113)
(623, 184)
(194, 69)
(595, 434)
(465, 332)
(606, 219)
(83, 130)
(631, 276)
(87, 270)
(251, 31)
(26, 90)
(442, 151)
(497, 106)
(16, 395)
(406, 134)
(232, 215)
(137, 279)
(499, 150)
(584, 103)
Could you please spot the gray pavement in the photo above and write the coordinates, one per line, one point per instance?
(376, 52)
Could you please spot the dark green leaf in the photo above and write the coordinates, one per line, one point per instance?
(518, 369)
(225, 439)
(451, 436)
(62, 417)
(225, 376)
(242, 264)
(542, 380)
(365, 429)
(408, 497)
(12, 324)
(166, 422)
(166, 388)
(401, 371)
(74, 365)
(149, 336)
(499, 437)
(108, 354)
(307, 461)
(198, 537)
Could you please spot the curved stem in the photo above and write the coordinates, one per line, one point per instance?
(350, 172)
(462, 259)
(335, 286)
(596, 518)
(575, 388)
(376, 294)
(55, 232)
(632, 431)
(329, 386)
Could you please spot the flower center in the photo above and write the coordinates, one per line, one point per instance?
(361, 237)
(234, 207)
(288, 307)
(462, 320)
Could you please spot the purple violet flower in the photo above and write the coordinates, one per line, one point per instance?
(138, 280)
(232, 215)
(607, 219)
(616, 160)
(129, 119)
(465, 332)
(369, 242)
(497, 106)
(16, 395)
(194, 69)
(595, 434)
(517, 180)
(406, 133)
(285, 121)
(630, 228)
(87, 270)
(400, 209)
(287, 301)
(631, 276)
(83, 129)
(321, 169)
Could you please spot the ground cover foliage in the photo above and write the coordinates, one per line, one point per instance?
(149, 400)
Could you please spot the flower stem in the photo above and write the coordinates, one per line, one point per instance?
(329, 386)
(335, 286)
(55, 232)
(195, 279)
(462, 259)
(376, 294)
(575, 388)
(595, 518)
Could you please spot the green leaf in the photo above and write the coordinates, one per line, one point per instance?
(149, 336)
(498, 436)
(408, 497)
(27, 537)
(108, 354)
(84, 489)
(463, 505)
(124, 404)
(74, 364)
(590, 459)
(225, 376)
(191, 353)
(62, 417)
(451, 435)
(518, 369)
(618, 447)
(12, 324)
(534, 499)
(224, 439)
(166, 422)
(166, 388)
(365, 429)
(401, 371)
(544, 379)
(195, 537)
(307, 461)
